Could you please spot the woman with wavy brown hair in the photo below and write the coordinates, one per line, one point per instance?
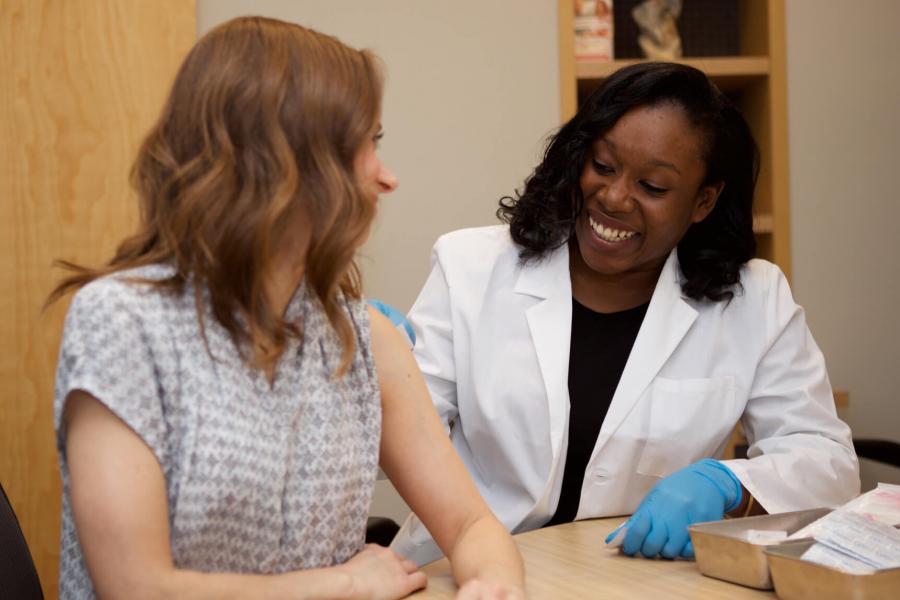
(223, 394)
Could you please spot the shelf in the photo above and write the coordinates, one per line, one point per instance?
(718, 67)
(763, 223)
(841, 398)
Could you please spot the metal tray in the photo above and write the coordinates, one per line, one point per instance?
(796, 579)
(723, 553)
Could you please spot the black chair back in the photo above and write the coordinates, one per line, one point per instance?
(884, 451)
(381, 530)
(18, 577)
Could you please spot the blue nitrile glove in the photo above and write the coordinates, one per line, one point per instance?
(703, 491)
(396, 317)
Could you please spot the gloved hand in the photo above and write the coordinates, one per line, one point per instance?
(396, 317)
(703, 491)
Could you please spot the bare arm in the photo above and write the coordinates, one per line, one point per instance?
(121, 514)
(417, 456)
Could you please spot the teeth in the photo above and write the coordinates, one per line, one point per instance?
(610, 235)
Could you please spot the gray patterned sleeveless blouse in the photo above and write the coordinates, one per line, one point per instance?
(259, 479)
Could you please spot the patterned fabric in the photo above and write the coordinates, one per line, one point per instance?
(259, 479)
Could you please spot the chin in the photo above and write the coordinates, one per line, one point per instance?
(603, 263)
(607, 268)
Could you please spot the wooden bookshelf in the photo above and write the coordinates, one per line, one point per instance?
(717, 68)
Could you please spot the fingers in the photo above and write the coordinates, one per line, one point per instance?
(415, 581)
(409, 566)
(381, 572)
(663, 538)
(656, 538)
(472, 590)
(475, 589)
(678, 540)
(654, 535)
(637, 531)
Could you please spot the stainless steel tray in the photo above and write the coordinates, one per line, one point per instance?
(796, 579)
(722, 551)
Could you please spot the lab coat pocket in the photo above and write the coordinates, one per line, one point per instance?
(689, 419)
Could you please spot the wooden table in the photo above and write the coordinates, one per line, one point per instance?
(571, 561)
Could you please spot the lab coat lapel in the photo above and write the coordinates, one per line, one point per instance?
(549, 322)
(668, 319)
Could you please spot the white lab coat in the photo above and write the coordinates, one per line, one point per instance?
(493, 343)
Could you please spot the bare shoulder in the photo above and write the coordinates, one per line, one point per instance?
(379, 323)
(387, 343)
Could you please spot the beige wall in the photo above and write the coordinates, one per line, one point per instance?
(843, 103)
(473, 89)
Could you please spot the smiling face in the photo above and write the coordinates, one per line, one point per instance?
(642, 191)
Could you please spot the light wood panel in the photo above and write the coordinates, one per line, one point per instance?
(568, 90)
(778, 141)
(754, 24)
(723, 66)
(571, 562)
(82, 82)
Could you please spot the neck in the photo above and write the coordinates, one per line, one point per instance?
(282, 283)
(280, 287)
(288, 266)
(611, 293)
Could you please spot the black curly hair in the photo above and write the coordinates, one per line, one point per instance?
(542, 217)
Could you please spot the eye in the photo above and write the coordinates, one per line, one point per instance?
(601, 168)
(652, 189)
(377, 137)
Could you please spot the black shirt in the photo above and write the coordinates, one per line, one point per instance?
(601, 343)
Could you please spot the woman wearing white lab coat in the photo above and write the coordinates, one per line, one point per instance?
(642, 203)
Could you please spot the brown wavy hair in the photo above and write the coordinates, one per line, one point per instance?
(261, 128)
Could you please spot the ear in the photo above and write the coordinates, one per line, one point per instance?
(706, 200)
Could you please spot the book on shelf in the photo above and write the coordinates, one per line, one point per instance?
(593, 30)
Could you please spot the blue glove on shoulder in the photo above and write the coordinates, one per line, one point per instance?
(703, 491)
(396, 317)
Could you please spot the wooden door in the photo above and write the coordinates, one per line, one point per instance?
(82, 80)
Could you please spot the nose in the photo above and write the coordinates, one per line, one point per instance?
(618, 197)
(387, 181)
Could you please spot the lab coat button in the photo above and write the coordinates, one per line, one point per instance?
(600, 474)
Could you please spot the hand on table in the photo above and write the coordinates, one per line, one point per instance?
(379, 573)
(475, 589)
(703, 491)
